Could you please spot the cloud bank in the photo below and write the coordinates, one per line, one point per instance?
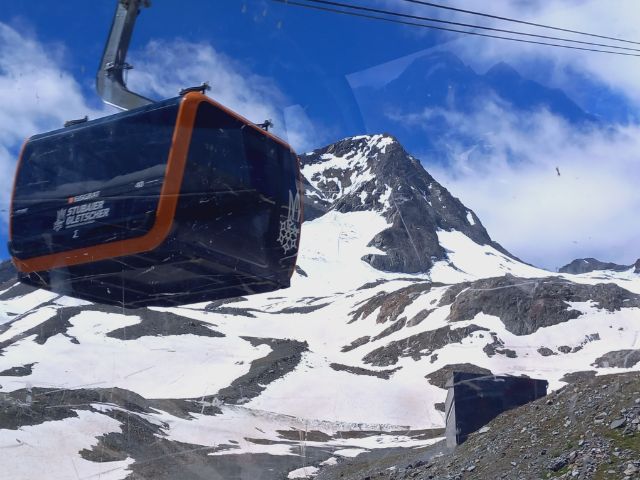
(614, 19)
(511, 180)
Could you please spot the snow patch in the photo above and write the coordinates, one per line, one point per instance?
(304, 472)
(155, 367)
(384, 142)
(385, 197)
(470, 218)
(469, 260)
(350, 452)
(51, 449)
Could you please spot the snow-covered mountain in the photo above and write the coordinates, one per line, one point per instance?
(375, 174)
(397, 282)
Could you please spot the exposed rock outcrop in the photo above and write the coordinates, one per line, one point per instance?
(525, 305)
(586, 265)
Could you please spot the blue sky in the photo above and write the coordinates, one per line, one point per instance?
(268, 60)
(307, 54)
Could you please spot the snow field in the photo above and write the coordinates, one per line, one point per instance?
(53, 447)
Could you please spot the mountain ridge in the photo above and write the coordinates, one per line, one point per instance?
(347, 361)
(586, 265)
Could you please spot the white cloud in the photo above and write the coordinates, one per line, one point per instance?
(36, 95)
(589, 210)
(163, 68)
(617, 19)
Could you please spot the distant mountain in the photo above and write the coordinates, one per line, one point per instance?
(397, 282)
(603, 101)
(586, 265)
(526, 95)
(417, 105)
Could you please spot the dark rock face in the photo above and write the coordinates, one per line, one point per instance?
(374, 173)
(303, 309)
(358, 342)
(16, 290)
(222, 307)
(20, 371)
(33, 406)
(391, 304)
(285, 355)
(314, 203)
(419, 345)
(586, 265)
(394, 327)
(618, 359)
(525, 305)
(154, 323)
(17, 410)
(419, 317)
(578, 376)
(496, 347)
(384, 374)
(546, 352)
(58, 324)
(440, 377)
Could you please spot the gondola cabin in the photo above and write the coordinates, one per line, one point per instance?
(179, 201)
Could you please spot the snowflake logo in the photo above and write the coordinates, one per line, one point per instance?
(289, 230)
(60, 216)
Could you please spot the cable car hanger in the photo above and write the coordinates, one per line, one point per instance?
(110, 82)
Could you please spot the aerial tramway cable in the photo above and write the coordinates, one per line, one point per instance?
(359, 9)
(515, 20)
(469, 25)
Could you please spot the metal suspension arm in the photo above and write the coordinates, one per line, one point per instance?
(110, 81)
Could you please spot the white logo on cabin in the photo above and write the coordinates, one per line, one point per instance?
(289, 230)
(79, 215)
(60, 219)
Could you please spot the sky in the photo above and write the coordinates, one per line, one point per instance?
(299, 67)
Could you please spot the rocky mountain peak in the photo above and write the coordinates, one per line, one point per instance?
(346, 167)
(586, 265)
(375, 173)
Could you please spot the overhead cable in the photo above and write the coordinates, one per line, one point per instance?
(515, 20)
(433, 27)
(361, 8)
